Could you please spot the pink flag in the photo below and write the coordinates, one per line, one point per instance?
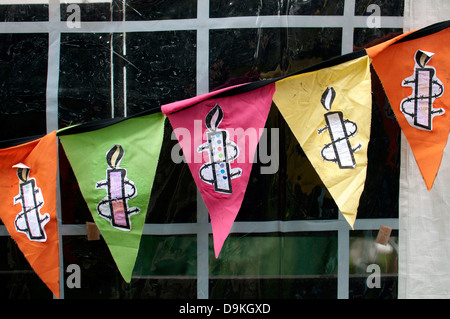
(218, 133)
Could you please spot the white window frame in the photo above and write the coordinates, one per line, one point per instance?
(202, 24)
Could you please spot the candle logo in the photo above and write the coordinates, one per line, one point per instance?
(119, 189)
(30, 221)
(221, 151)
(418, 107)
(339, 150)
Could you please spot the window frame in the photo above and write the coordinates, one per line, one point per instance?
(202, 25)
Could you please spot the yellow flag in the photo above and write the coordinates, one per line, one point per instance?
(329, 111)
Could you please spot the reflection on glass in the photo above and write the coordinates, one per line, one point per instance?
(166, 256)
(257, 265)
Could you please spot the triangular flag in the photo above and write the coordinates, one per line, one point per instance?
(28, 204)
(414, 72)
(115, 166)
(218, 133)
(329, 111)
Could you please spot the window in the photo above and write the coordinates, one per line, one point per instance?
(117, 58)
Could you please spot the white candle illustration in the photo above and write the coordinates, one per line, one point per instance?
(29, 220)
(114, 207)
(339, 150)
(418, 107)
(221, 151)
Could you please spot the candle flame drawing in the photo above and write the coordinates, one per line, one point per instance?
(328, 98)
(22, 172)
(119, 189)
(422, 57)
(340, 149)
(114, 156)
(221, 151)
(214, 117)
(418, 107)
(30, 221)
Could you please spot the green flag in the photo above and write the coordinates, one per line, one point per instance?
(115, 162)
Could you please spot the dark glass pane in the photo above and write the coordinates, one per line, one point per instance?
(85, 78)
(23, 84)
(381, 190)
(161, 68)
(223, 8)
(24, 12)
(136, 10)
(246, 55)
(160, 9)
(380, 196)
(174, 193)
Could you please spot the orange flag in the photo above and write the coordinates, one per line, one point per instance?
(414, 69)
(28, 204)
